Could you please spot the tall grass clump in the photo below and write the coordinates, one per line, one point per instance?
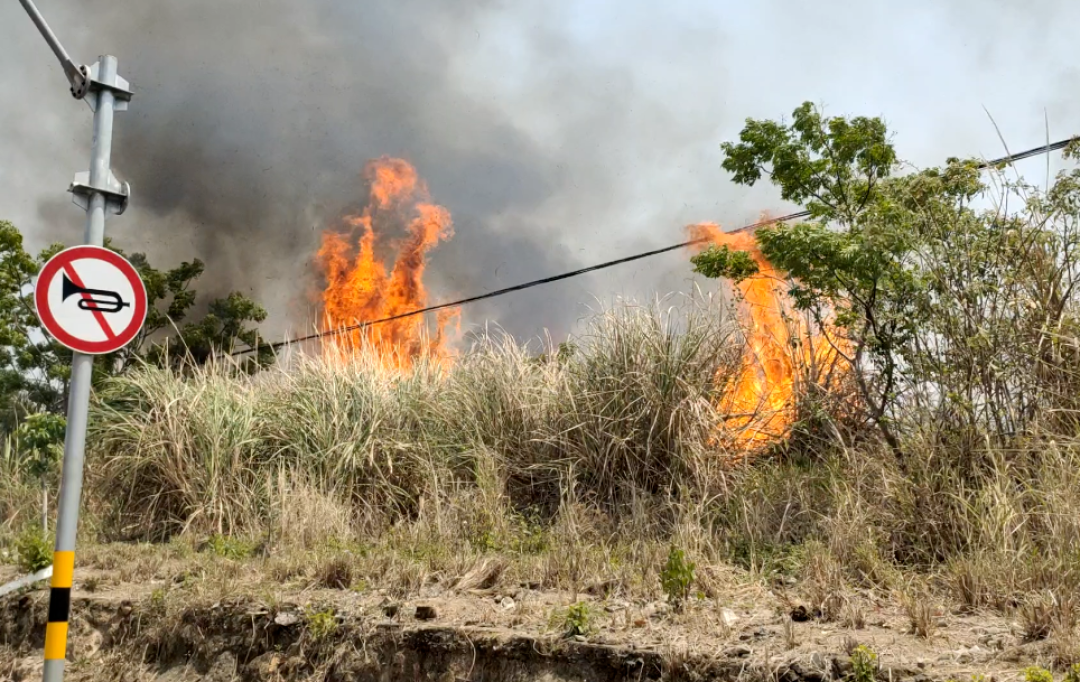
(176, 452)
(637, 413)
(626, 410)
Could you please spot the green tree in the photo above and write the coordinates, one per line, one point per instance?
(959, 313)
(41, 439)
(841, 261)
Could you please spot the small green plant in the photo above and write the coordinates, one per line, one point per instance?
(864, 664)
(321, 624)
(1035, 673)
(676, 577)
(229, 547)
(1073, 673)
(530, 536)
(348, 547)
(187, 578)
(577, 621)
(33, 550)
(157, 599)
(484, 541)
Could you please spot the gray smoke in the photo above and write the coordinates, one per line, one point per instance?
(557, 134)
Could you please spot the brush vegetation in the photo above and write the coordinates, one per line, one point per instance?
(945, 467)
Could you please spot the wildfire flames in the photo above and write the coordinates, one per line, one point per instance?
(758, 403)
(359, 288)
(781, 349)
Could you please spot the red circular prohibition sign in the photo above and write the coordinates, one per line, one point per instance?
(60, 263)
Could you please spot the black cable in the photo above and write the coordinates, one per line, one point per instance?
(1061, 144)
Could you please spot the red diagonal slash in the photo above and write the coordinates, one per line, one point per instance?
(74, 277)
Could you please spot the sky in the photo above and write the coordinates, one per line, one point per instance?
(558, 134)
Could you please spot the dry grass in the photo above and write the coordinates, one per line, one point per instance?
(574, 473)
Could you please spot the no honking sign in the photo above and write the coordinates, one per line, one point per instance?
(90, 299)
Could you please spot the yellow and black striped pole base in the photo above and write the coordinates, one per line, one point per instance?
(56, 629)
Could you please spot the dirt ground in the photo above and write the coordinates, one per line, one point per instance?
(159, 629)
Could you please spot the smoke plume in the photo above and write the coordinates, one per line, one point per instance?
(556, 134)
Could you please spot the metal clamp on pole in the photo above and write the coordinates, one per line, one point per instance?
(116, 193)
(99, 79)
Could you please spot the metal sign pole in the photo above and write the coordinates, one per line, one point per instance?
(98, 192)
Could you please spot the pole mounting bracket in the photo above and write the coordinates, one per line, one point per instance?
(116, 193)
(80, 79)
(119, 87)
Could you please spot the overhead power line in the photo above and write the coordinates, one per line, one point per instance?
(1045, 149)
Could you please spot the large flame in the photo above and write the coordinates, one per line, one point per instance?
(358, 286)
(759, 402)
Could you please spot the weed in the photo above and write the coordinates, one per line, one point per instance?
(1073, 673)
(336, 544)
(577, 620)
(530, 537)
(864, 664)
(484, 541)
(33, 550)
(1037, 674)
(157, 599)
(321, 624)
(228, 547)
(676, 577)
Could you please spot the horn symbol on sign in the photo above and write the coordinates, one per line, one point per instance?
(109, 301)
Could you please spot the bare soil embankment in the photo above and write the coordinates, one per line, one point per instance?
(158, 630)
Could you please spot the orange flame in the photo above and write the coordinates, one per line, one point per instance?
(358, 287)
(760, 400)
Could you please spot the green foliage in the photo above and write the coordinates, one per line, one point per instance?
(841, 261)
(864, 663)
(335, 544)
(1073, 673)
(525, 535)
(41, 436)
(720, 261)
(223, 329)
(229, 547)
(321, 624)
(33, 550)
(530, 536)
(1035, 673)
(676, 577)
(31, 374)
(577, 620)
(933, 299)
(830, 165)
(157, 599)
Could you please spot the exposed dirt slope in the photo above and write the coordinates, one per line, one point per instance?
(153, 631)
